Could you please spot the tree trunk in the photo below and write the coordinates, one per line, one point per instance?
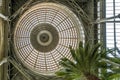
(91, 77)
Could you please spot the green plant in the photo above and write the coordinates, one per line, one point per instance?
(113, 65)
(85, 63)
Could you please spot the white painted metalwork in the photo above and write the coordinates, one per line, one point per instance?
(3, 16)
(3, 61)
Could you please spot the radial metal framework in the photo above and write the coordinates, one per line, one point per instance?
(43, 34)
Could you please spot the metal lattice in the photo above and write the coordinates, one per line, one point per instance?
(43, 34)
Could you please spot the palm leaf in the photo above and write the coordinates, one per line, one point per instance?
(113, 59)
(72, 51)
(94, 52)
(81, 44)
(114, 76)
(68, 64)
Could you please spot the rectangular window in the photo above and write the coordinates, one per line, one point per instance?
(113, 26)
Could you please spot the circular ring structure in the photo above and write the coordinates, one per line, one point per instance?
(44, 38)
(43, 34)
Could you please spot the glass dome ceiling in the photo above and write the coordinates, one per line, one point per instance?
(43, 34)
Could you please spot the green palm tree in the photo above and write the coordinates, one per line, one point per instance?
(85, 63)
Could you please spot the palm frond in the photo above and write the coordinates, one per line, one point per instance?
(68, 64)
(114, 76)
(72, 51)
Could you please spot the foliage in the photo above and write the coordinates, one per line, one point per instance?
(113, 65)
(89, 61)
(85, 63)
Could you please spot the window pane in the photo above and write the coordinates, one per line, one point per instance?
(113, 28)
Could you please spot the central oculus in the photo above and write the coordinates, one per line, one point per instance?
(44, 37)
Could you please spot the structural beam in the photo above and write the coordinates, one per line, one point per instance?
(20, 10)
(1, 46)
(19, 68)
(3, 61)
(3, 17)
(106, 19)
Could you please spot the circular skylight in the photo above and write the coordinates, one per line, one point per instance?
(43, 34)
